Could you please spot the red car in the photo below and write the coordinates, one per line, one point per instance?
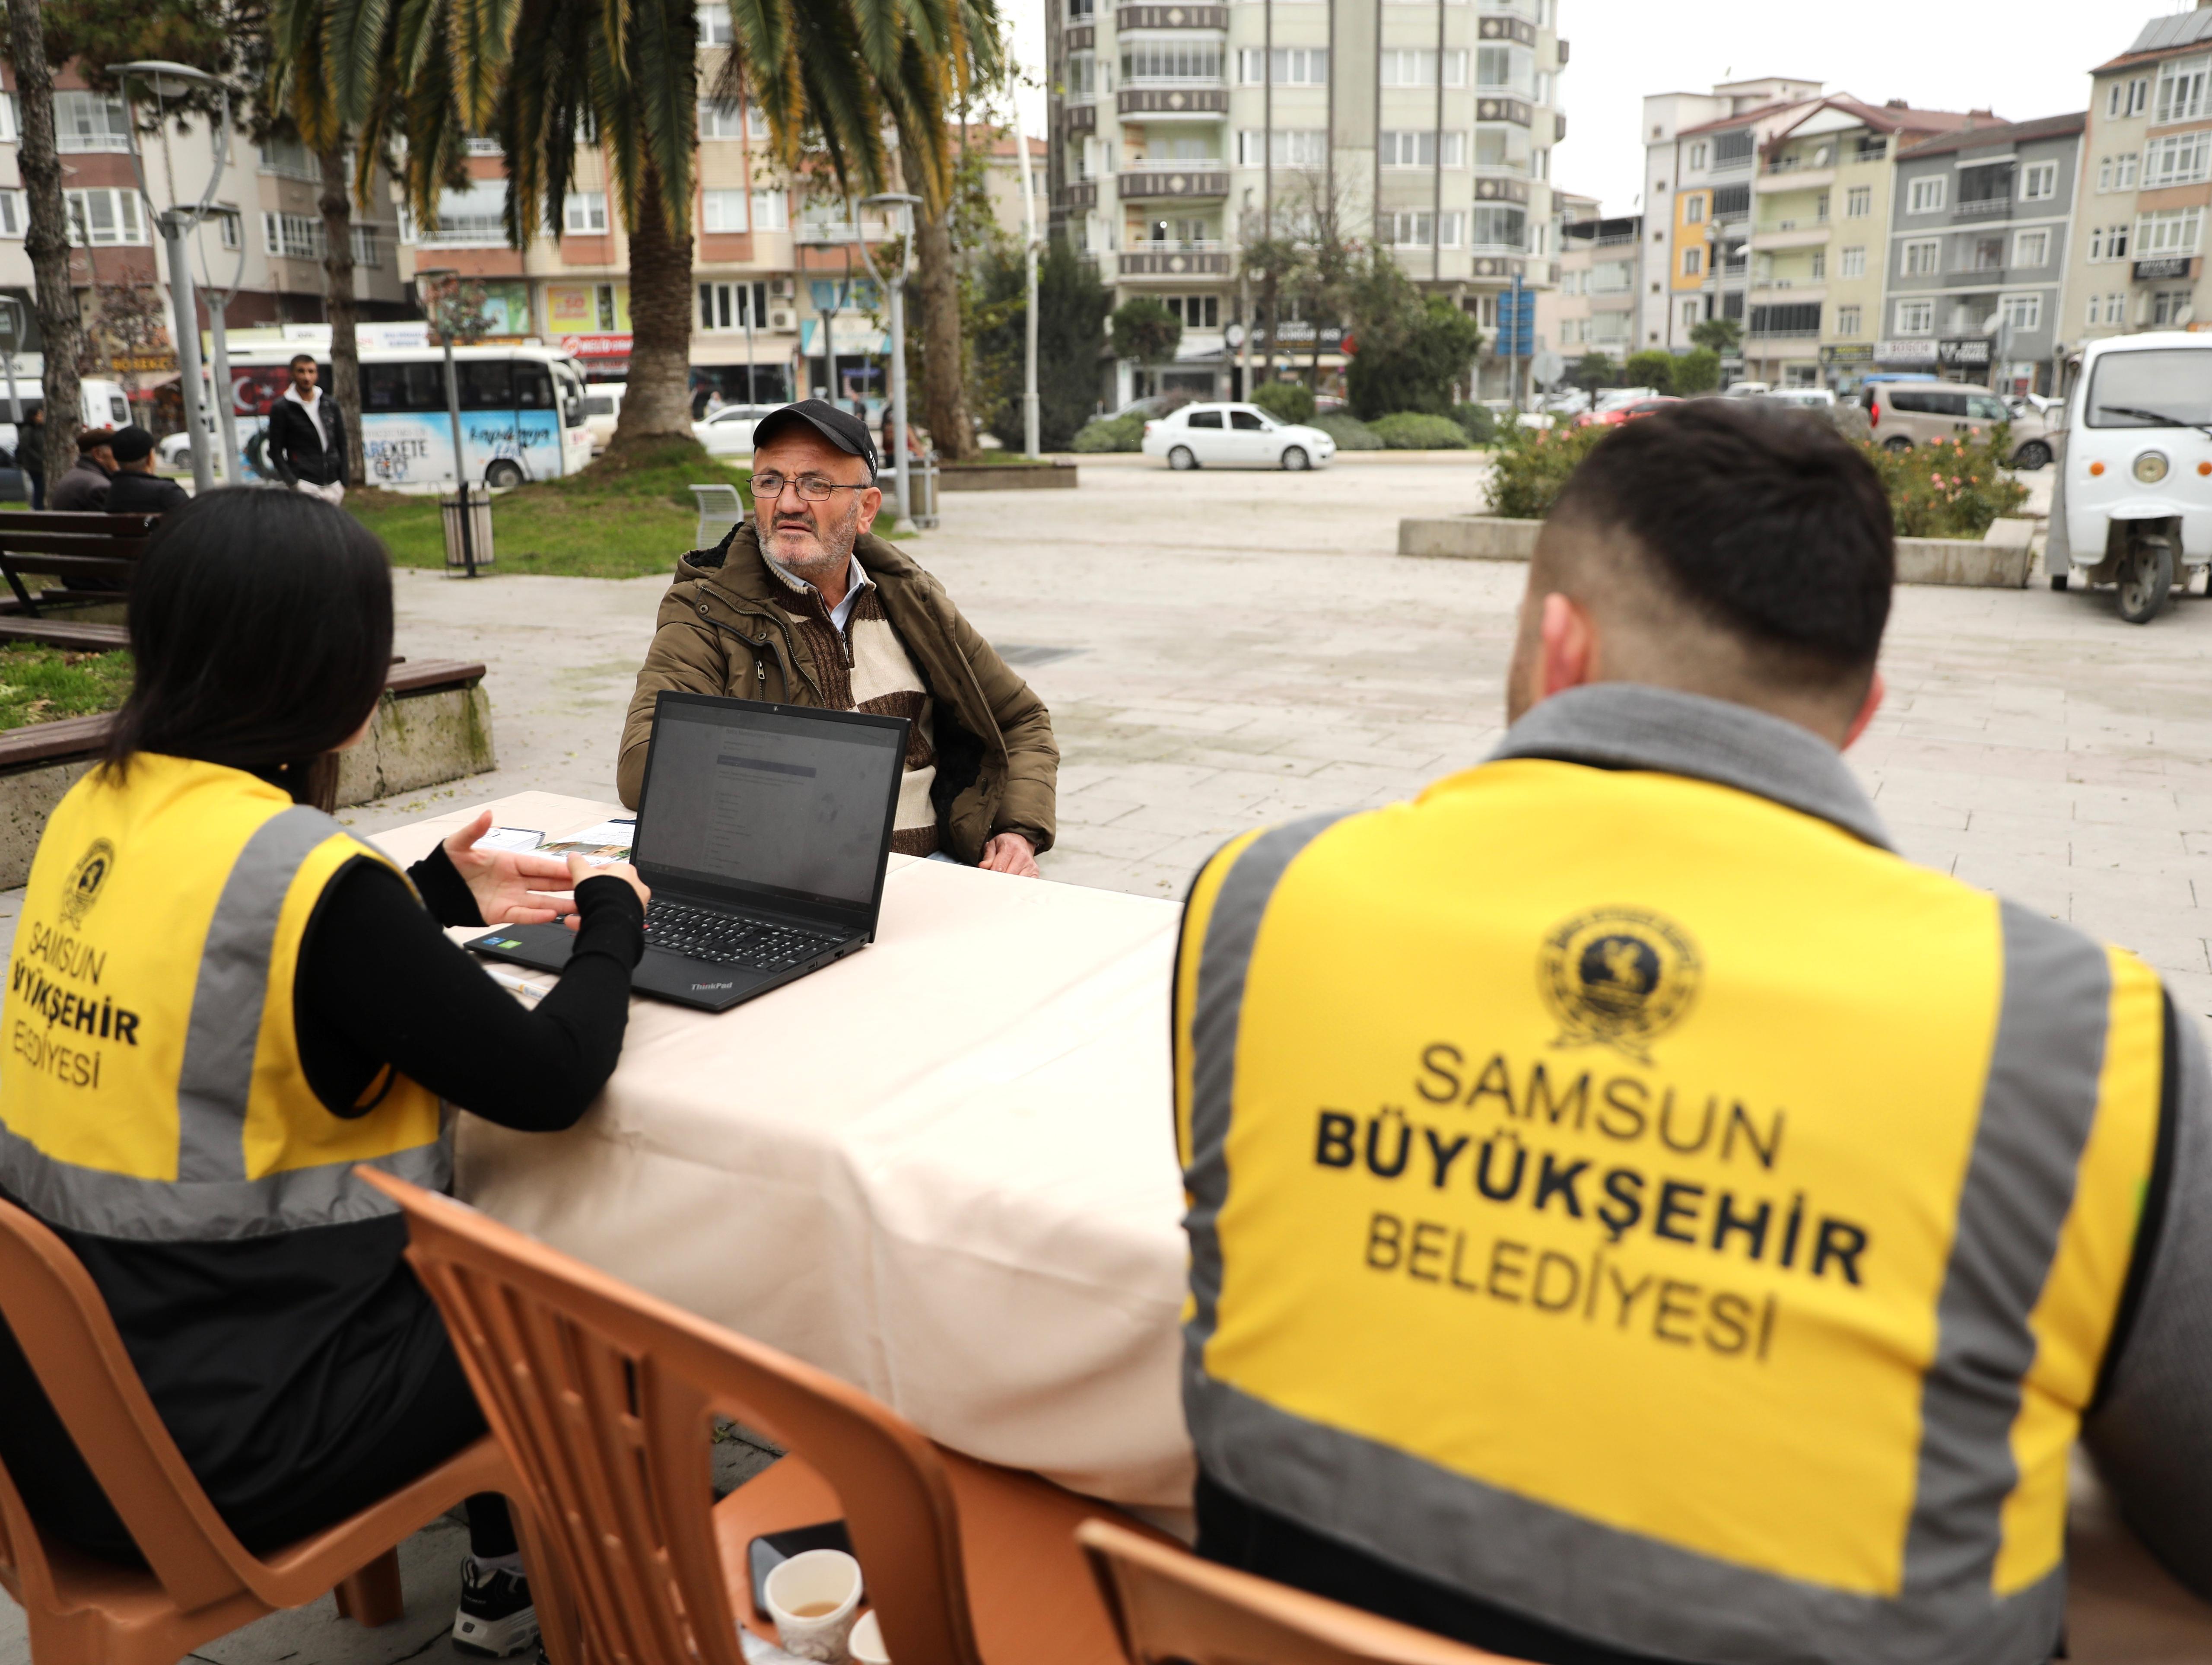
(1622, 413)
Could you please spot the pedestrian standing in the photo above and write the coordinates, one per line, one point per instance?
(307, 436)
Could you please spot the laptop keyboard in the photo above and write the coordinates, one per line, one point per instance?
(754, 945)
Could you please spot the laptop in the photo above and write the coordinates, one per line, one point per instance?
(764, 832)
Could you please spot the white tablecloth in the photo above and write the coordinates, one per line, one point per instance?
(942, 1169)
(945, 1170)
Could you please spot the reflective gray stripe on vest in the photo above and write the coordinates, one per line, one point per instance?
(1634, 1592)
(122, 1205)
(212, 1200)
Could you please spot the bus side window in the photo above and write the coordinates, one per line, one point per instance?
(382, 387)
(422, 385)
(533, 387)
(487, 384)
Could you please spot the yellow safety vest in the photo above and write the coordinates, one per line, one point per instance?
(151, 1085)
(1657, 1211)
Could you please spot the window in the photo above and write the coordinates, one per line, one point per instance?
(714, 28)
(228, 228)
(1731, 200)
(365, 252)
(1916, 317)
(11, 123)
(1082, 74)
(2038, 182)
(1497, 227)
(1153, 62)
(1923, 256)
(726, 121)
(1693, 262)
(1196, 312)
(1413, 149)
(2181, 89)
(1452, 230)
(1926, 193)
(1802, 319)
(1693, 208)
(2174, 232)
(14, 212)
(1291, 147)
(1078, 10)
(1847, 320)
(1820, 264)
(2127, 97)
(99, 217)
(1989, 254)
(2104, 183)
(93, 121)
(1690, 318)
(1731, 149)
(2116, 243)
(2172, 306)
(771, 210)
(2021, 312)
(723, 211)
(2096, 313)
(1979, 187)
(1410, 229)
(1294, 66)
(585, 211)
(1416, 66)
(1854, 263)
(2124, 179)
(2179, 160)
(2030, 248)
(730, 306)
(294, 236)
(473, 217)
(1541, 162)
(1698, 152)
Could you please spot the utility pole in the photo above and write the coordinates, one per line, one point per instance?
(896, 286)
(1029, 414)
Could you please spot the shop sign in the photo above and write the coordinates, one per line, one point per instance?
(1969, 352)
(2165, 266)
(144, 364)
(1291, 332)
(1905, 352)
(596, 346)
(1860, 353)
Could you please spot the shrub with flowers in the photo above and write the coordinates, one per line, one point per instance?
(1531, 463)
(1948, 487)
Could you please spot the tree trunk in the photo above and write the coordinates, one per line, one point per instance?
(658, 406)
(337, 204)
(46, 239)
(944, 378)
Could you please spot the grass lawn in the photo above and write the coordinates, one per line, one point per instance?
(621, 518)
(38, 684)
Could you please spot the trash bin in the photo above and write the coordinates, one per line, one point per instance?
(472, 557)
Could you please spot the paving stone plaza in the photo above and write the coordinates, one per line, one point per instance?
(1221, 649)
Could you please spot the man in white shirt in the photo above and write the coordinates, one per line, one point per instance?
(307, 436)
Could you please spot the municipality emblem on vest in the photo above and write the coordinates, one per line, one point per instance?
(87, 879)
(1617, 977)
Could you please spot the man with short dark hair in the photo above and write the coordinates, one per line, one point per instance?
(84, 487)
(1637, 1215)
(307, 442)
(135, 489)
(803, 604)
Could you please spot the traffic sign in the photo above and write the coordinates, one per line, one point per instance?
(1516, 323)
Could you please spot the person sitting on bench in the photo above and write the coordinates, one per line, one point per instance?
(135, 489)
(84, 488)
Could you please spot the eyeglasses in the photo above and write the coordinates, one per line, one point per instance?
(812, 487)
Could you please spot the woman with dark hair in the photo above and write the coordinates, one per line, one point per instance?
(223, 1001)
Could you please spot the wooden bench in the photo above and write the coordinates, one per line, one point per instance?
(74, 548)
(64, 633)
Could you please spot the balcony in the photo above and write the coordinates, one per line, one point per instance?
(1812, 334)
(1082, 116)
(1983, 207)
(1180, 98)
(1808, 233)
(1491, 190)
(1204, 176)
(1081, 37)
(1491, 107)
(1192, 257)
(1082, 196)
(1506, 26)
(1789, 176)
(1172, 17)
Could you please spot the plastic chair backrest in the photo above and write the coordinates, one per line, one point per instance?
(1170, 1606)
(604, 1398)
(65, 1331)
(720, 508)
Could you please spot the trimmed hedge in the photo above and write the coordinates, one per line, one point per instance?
(1286, 401)
(1410, 430)
(1111, 433)
(1348, 431)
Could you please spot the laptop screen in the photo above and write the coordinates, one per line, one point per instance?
(761, 796)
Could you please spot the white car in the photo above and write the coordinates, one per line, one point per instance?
(729, 431)
(1803, 397)
(1234, 436)
(602, 410)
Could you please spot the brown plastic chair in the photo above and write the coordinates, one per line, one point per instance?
(605, 1398)
(1171, 1607)
(199, 1582)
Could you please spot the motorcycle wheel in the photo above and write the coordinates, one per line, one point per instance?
(2147, 581)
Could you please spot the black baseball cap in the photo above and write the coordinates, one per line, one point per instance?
(131, 443)
(841, 427)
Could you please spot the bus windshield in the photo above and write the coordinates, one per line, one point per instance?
(2157, 387)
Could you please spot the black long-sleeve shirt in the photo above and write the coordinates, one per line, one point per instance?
(280, 1362)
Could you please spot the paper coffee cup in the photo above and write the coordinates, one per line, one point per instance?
(812, 1598)
(867, 1642)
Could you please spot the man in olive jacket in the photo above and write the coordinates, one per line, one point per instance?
(828, 615)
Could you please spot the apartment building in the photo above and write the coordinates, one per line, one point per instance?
(2145, 185)
(1982, 222)
(1593, 309)
(1555, 307)
(263, 239)
(1181, 132)
(1821, 201)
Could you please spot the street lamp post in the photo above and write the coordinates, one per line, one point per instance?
(226, 397)
(167, 81)
(1030, 417)
(446, 277)
(896, 289)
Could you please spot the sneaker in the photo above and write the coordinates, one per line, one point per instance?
(496, 1616)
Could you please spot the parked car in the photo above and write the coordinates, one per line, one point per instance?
(603, 403)
(1566, 402)
(1748, 389)
(1803, 397)
(1617, 414)
(1902, 415)
(1614, 398)
(729, 431)
(1233, 435)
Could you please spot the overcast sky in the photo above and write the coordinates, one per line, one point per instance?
(2022, 59)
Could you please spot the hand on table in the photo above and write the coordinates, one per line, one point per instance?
(1010, 853)
(579, 870)
(511, 886)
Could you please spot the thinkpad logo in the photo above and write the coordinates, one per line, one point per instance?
(708, 988)
(1617, 977)
(87, 879)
